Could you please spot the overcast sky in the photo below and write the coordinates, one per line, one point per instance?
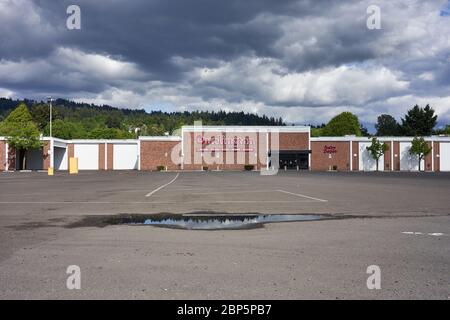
(305, 61)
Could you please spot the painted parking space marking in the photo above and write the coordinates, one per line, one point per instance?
(233, 192)
(434, 234)
(155, 202)
(163, 186)
(271, 198)
(302, 196)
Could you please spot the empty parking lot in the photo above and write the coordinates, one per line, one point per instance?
(399, 221)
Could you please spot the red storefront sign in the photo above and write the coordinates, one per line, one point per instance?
(223, 140)
(329, 149)
(222, 143)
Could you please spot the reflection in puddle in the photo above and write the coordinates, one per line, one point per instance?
(215, 222)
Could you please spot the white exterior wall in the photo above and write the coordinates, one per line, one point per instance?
(60, 158)
(444, 156)
(87, 151)
(87, 155)
(409, 162)
(366, 161)
(125, 156)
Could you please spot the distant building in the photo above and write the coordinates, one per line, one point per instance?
(231, 148)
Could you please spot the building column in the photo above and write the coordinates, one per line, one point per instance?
(432, 155)
(351, 155)
(392, 155)
(50, 154)
(139, 154)
(267, 151)
(6, 156)
(309, 146)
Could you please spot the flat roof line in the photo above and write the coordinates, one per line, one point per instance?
(209, 128)
(365, 139)
(102, 141)
(160, 138)
(225, 129)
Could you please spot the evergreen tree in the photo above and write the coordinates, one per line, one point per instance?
(82, 120)
(364, 131)
(66, 130)
(387, 126)
(41, 115)
(419, 121)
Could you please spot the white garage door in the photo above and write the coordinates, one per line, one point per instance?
(87, 155)
(444, 156)
(60, 158)
(35, 160)
(366, 161)
(125, 157)
(409, 162)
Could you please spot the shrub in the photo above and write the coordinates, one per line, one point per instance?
(205, 168)
(160, 168)
(249, 167)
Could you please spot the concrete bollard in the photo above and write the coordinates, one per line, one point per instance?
(73, 166)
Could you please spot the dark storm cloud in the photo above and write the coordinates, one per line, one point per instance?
(150, 33)
(270, 56)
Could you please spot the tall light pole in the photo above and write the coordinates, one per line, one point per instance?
(51, 149)
(50, 103)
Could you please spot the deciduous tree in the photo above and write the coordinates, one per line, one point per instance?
(377, 149)
(420, 148)
(21, 132)
(387, 126)
(343, 124)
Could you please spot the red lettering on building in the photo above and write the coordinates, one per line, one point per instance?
(329, 149)
(223, 140)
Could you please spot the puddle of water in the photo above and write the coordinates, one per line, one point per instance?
(225, 222)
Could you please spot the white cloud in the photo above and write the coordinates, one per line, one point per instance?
(70, 69)
(96, 65)
(304, 66)
(265, 79)
(427, 76)
(6, 93)
(397, 106)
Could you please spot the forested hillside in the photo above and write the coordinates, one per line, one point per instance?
(73, 120)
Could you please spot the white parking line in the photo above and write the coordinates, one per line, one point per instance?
(163, 186)
(303, 196)
(232, 192)
(434, 234)
(155, 202)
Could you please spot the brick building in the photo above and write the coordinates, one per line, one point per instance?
(230, 148)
